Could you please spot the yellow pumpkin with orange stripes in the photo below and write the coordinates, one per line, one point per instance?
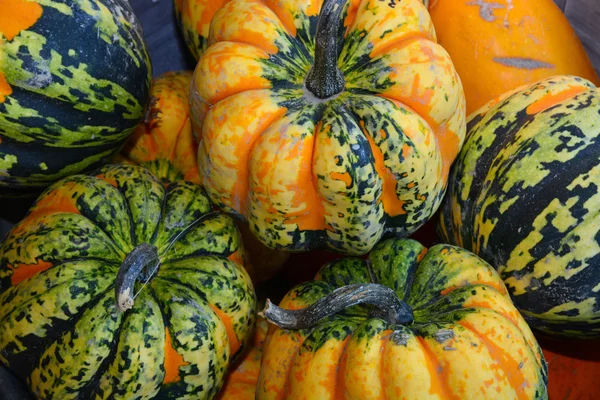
(327, 124)
(406, 323)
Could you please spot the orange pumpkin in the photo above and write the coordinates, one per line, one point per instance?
(499, 45)
(241, 382)
(573, 369)
(165, 145)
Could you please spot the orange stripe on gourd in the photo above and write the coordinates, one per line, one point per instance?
(281, 180)
(173, 360)
(516, 369)
(229, 141)
(391, 203)
(227, 68)
(401, 382)
(21, 272)
(17, 16)
(234, 343)
(363, 372)
(551, 99)
(250, 22)
(314, 373)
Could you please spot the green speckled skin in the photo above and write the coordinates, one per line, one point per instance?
(337, 173)
(467, 339)
(523, 195)
(60, 329)
(77, 82)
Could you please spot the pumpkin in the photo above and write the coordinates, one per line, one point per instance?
(115, 286)
(407, 323)
(74, 82)
(499, 45)
(573, 369)
(326, 127)
(240, 383)
(163, 143)
(193, 20)
(523, 196)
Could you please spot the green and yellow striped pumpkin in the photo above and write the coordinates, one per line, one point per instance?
(524, 196)
(115, 286)
(331, 124)
(74, 82)
(406, 323)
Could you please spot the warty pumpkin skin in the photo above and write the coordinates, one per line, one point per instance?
(461, 337)
(117, 287)
(523, 195)
(319, 154)
(74, 82)
(499, 45)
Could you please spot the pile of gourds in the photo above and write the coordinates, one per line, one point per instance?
(307, 125)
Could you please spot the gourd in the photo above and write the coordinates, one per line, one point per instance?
(523, 196)
(326, 125)
(193, 20)
(163, 143)
(499, 45)
(241, 380)
(116, 286)
(407, 323)
(74, 83)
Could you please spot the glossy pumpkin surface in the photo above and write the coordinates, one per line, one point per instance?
(60, 270)
(523, 196)
(74, 82)
(467, 340)
(339, 172)
(499, 45)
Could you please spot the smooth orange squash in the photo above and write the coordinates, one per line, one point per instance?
(499, 45)
(573, 369)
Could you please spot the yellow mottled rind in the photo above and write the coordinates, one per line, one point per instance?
(60, 329)
(467, 341)
(523, 195)
(339, 173)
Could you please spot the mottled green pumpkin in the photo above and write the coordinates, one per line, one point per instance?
(405, 323)
(74, 82)
(524, 196)
(115, 286)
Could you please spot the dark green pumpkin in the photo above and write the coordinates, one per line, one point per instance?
(523, 195)
(74, 82)
(117, 287)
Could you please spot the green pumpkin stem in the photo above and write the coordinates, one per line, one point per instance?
(140, 263)
(325, 79)
(389, 307)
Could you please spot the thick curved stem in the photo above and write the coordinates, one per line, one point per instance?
(140, 263)
(324, 78)
(389, 307)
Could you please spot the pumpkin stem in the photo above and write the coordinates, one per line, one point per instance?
(388, 307)
(325, 79)
(140, 263)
